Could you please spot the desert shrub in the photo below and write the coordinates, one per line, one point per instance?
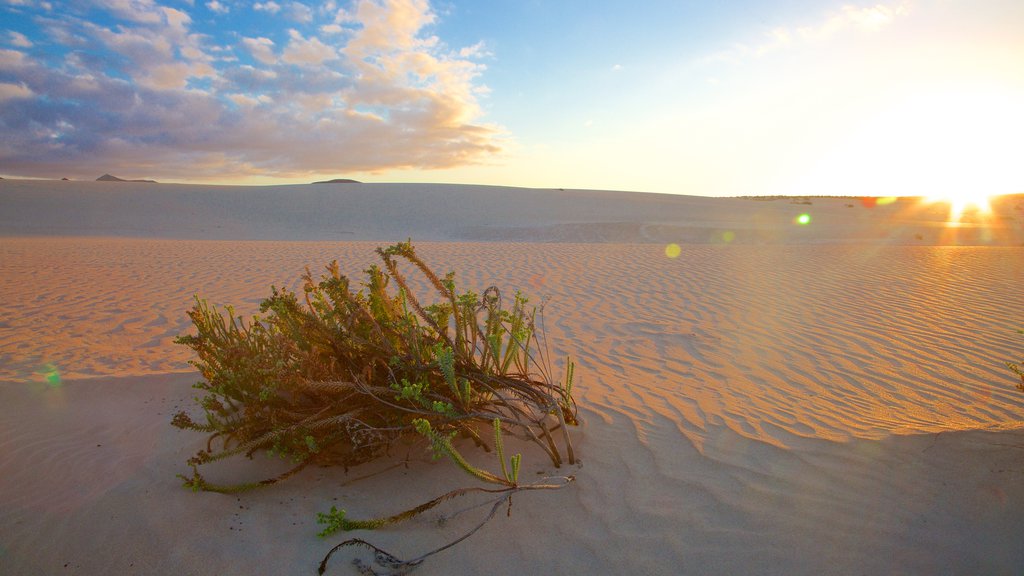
(337, 375)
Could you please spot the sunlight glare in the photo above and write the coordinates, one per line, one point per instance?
(957, 145)
(959, 204)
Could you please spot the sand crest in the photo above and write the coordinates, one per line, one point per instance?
(444, 212)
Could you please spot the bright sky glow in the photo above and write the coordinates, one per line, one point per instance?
(886, 98)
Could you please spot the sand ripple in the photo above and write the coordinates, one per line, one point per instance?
(824, 341)
(745, 409)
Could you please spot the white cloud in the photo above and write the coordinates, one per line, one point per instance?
(137, 45)
(11, 59)
(271, 6)
(313, 103)
(339, 15)
(158, 52)
(262, 49)
(177, 22)
(871, 18)
(13, 91)
(20, 40)
(383, 94)
(47, 6)
(391, 26)
(248, 101)
(174, 75)
(306, 51)
(138, 11)
(217, 7)
(403, 70)
(262, 74)
(194, 52)
(867, 19)
(478, 50)
(299, 12)
(874, 17)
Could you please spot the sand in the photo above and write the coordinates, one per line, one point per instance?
(777, 398)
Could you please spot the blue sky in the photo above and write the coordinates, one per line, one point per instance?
(711, 98)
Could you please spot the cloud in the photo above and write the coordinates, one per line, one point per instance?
(299, 12)
(874, 17)
(262, 49)
(137, 11)
(42, 4)
(20, 40)
(864, 19)
(12, 59)
(217, 7)
(249, 101)
(175, 75)
(478, 50)
(306, 51)
(871, 18)
(12, 91)
(272, 7)
(141, 92)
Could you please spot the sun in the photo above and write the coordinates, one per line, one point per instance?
(961, 203)
(952, 144)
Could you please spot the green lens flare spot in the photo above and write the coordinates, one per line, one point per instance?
(673, 250)
(50, 374)
(803, 219)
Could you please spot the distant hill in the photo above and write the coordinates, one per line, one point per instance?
(339, 181)
(109, 178)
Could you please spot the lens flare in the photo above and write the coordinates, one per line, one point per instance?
(673, 250)
(960, 204)
(50, 374)
(803, 219)
(872, 201)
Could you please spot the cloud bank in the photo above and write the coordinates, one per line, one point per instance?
(139, 88)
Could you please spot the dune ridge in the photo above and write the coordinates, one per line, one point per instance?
(447, 212)
(801, 405)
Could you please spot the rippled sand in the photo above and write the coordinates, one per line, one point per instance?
(794, 408)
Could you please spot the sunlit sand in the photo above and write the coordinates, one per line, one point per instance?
(766, 386)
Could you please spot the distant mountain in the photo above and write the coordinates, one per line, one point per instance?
(109, 178)
(339, 181)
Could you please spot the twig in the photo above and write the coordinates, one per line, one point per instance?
(398, 567)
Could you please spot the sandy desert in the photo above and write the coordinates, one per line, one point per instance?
(759, 393)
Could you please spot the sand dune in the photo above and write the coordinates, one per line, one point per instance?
(440, 212)
(801, 401)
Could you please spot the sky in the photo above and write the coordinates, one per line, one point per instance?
(750, 97)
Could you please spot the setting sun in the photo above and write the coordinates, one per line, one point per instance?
(964, 202)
